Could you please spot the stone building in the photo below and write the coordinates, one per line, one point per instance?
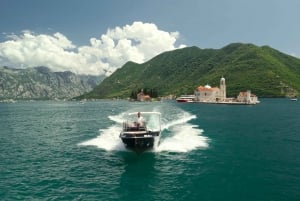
(211, 94)
(247, 97)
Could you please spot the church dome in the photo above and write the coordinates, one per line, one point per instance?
(207, 86)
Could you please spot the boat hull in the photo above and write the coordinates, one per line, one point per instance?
(140, 142)
(185, 101)
(182, 100)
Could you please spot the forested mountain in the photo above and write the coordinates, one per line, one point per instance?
(42, 83)
(264, 70)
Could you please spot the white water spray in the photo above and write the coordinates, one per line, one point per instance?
(177, 134)
(108, 139)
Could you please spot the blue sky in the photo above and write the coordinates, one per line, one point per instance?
(71, 24)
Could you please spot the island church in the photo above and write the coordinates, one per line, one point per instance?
(211, 94)
(218, 95)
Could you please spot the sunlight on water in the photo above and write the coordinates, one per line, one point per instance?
(178, 135)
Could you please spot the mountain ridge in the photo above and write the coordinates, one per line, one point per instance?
(267, 72)
(41, 83)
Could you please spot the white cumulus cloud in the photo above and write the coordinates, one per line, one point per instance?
(137, 42)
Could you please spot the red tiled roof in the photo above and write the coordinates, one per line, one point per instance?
(202, 88)
(244, 93)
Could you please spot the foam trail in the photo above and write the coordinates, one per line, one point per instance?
(186, 137)
(185, 118)
(108, 139)
(117, 118)
(180, 136)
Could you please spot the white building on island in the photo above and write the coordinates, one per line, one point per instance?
(208, 94)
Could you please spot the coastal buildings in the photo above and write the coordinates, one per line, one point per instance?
(247, 97)
(208, 94)
(143, 97)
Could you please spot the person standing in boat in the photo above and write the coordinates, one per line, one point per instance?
(140, 119)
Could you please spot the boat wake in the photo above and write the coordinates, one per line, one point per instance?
(178, 135)
(108, 139)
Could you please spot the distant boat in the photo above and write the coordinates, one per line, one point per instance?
(186, 99)
(294, 99)
(8, 101)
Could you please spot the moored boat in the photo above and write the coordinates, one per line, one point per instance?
(141, 135)
(186, 99)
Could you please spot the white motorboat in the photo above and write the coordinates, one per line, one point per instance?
(186, 99)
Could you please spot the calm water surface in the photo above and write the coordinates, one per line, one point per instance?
(70, 151)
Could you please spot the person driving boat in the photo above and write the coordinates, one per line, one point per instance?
(140, 119)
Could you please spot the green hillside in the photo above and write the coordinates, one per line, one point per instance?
(265, 71)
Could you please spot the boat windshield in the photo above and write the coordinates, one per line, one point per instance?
(150, 121)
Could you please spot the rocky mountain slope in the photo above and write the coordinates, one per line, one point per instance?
(42, 83)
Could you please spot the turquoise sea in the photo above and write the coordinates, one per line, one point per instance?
(70, 151)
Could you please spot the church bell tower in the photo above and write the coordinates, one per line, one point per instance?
(222, 89)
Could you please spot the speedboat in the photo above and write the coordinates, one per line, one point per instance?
(138, 136)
